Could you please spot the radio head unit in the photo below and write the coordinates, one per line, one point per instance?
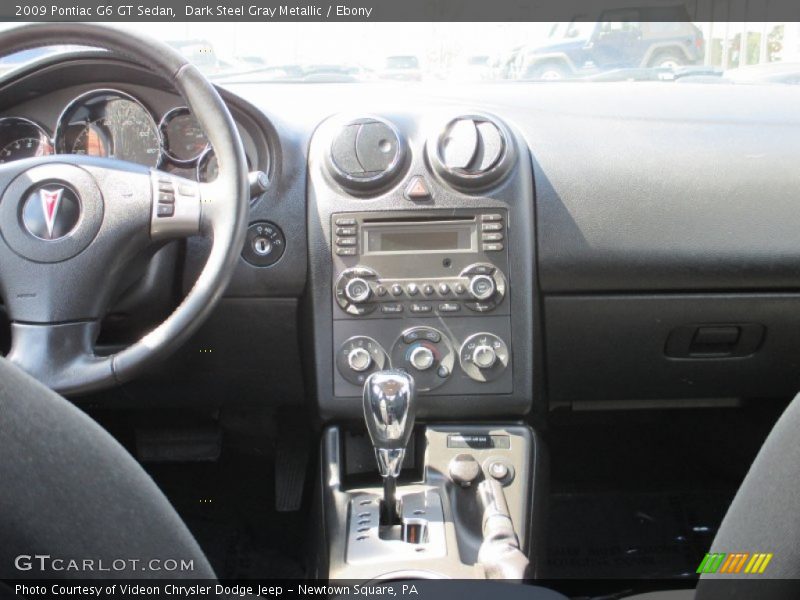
(424, 263)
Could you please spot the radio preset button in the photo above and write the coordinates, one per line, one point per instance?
(491, 227)
(381, 290)
(492, 247)
(397, 289)
(427, 289)
(346, 251)
(491, 237)
(492, 217)
(412, 289)
(357, 290)
(347, 231)
(350, 241)
(444, 289)
(345, 221)
(460, 289)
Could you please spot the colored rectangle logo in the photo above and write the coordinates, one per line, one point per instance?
(732, 563)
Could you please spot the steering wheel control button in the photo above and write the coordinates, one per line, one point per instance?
(484, 357)
(418, 190)
(51, 211)
(427, 353)
(176, 207)
(358, 357)
(264, 244)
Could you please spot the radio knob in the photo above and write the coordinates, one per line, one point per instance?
(359, 360)
(421, 358)
(357, 290)
(484, 357)
(482, 287)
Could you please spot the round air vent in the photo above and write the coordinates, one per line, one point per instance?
(471, 152)
(366, 155)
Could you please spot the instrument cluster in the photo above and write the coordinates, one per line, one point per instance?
(114, 124)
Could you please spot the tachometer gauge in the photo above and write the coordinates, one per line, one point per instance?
(21, 138)
(184, 139)
(207, 167)
(111, 124)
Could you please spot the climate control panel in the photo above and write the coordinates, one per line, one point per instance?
(453, 359)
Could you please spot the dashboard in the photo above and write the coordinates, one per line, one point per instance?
(607, 225)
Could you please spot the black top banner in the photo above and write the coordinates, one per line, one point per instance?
(399, 10)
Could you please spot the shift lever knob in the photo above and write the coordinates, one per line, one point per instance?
(389, 410)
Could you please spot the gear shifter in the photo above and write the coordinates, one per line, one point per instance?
(389, 410)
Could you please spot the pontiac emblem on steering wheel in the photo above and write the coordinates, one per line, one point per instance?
(51, 212)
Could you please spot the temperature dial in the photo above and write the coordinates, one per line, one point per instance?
(484, 356)
(427, 354)
(358, 357)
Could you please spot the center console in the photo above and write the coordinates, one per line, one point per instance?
(422, 268)
(424, 291)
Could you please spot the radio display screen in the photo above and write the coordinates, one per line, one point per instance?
(396, 238)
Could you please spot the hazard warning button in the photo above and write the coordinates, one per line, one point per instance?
(418, 190)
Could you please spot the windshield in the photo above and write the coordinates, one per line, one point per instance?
(620, 45)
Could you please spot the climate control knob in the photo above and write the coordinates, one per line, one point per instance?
(357, 290)
(484, 357)
(421, 358)
(359, 356)
(482, 287)
(359, 360)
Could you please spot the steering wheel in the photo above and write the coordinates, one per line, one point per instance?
(69, 225)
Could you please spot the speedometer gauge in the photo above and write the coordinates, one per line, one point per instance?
(111, 124)
(184, 139)
(21, 138)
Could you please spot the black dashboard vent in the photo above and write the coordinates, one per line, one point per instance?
(366, 155)
(471, 152)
